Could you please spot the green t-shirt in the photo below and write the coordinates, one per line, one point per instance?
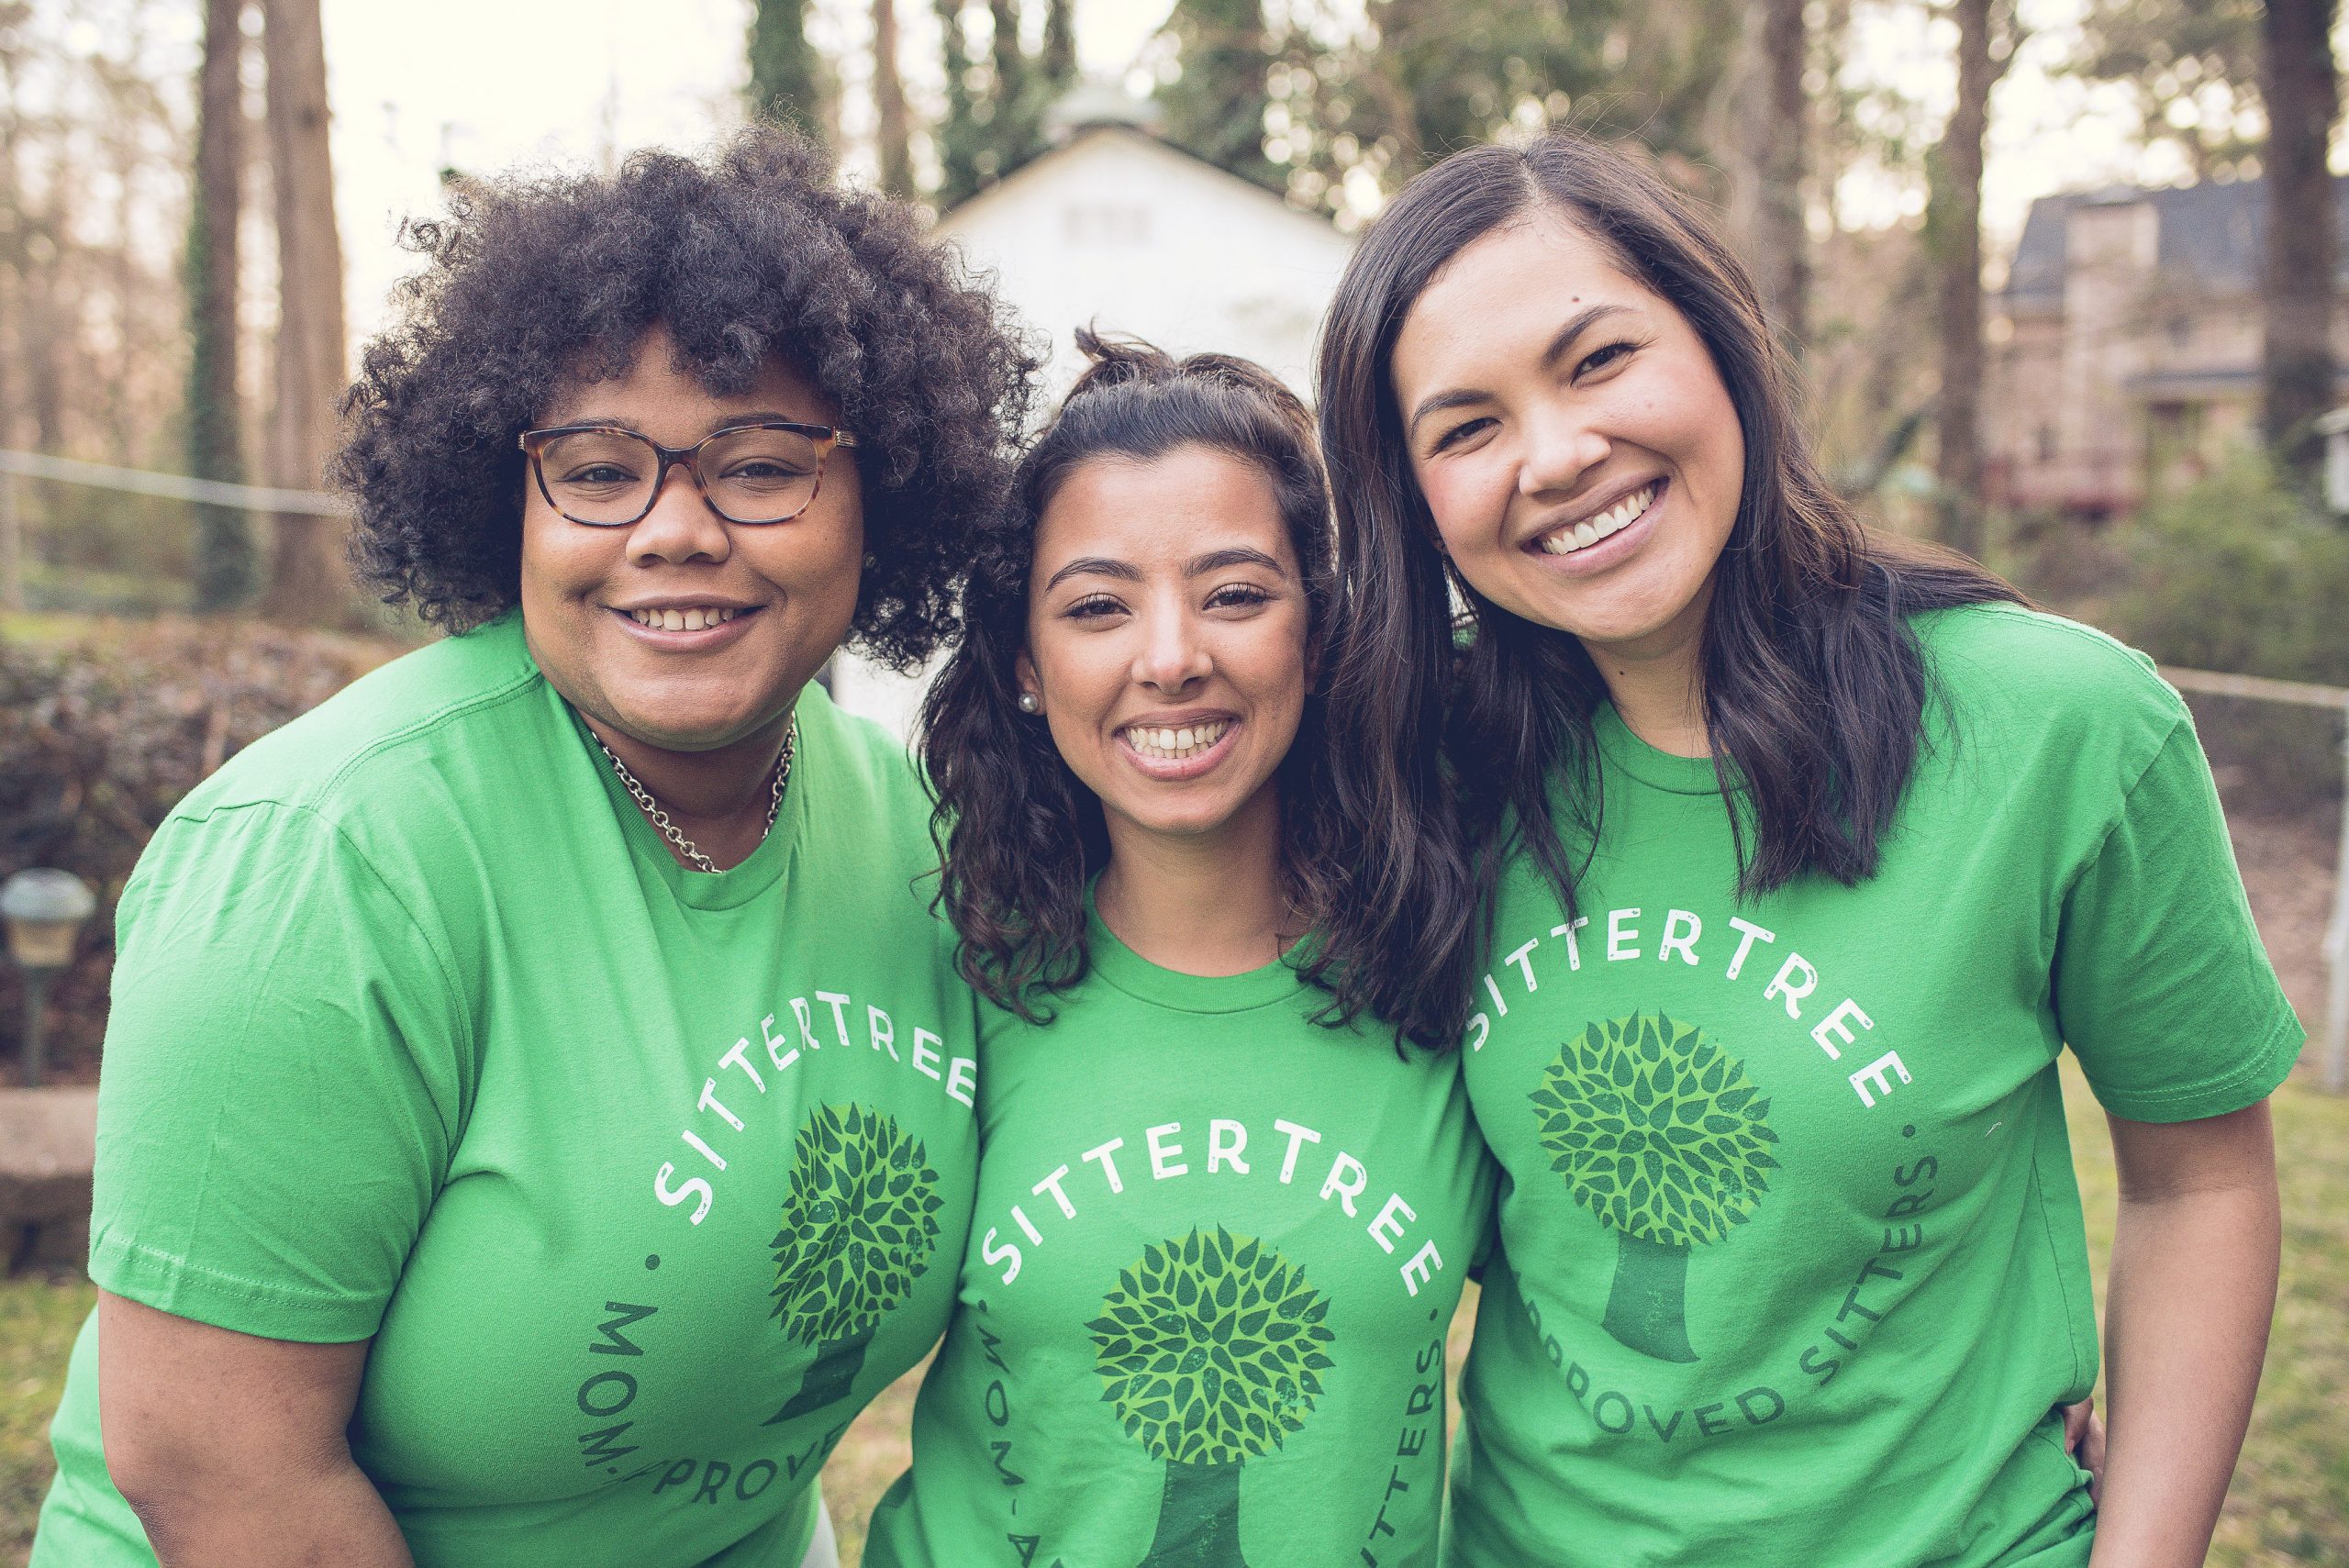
(644, 1180)
(1795, 1271)
(1202, 1317)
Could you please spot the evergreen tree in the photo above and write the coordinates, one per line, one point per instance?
(788, 82)
(995, 104)
(1059, 59)
(961, 137)
(1216, 108)
(1423, 78)
(894, 131)
(2193, 67)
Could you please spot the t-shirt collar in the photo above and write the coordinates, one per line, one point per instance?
(1625, 752)
(1120, 966)
(736, 884)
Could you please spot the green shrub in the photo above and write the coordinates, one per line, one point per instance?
(101, 733)
(2239, 575)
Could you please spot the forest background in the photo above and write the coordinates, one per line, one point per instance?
(199, 206)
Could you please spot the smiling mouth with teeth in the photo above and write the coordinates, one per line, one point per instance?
(697, 620)
(1614, 520)
(1173, 745)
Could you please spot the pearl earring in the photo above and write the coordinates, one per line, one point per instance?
(1028, 703)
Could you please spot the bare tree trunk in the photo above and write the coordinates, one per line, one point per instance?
(308, 580)
(1954, 228)
(889, 102)
(12, 214)
(224, 567)
(1764, 144)
(1786, 284)
(2296, 363)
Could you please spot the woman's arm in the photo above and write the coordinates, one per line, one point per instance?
(2192, 1291)
(232, 1449)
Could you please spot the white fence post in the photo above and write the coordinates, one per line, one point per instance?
(12, 543)
(2336, 943)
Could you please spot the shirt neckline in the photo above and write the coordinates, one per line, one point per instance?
(1624, 752)
(727, 889)
(1120, 966)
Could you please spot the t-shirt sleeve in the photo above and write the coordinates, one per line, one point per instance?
(280, 1091)
(2161, 985)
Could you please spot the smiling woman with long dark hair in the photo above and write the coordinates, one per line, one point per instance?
(1782, 860)
(1221, 1228)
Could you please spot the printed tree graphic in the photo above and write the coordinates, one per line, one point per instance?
(1211, 1351)
(1660, 1135)
(859, 1226)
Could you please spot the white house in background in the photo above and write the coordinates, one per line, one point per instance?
(1114, 228)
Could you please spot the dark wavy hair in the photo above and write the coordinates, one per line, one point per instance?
(1454, 737)
(1021, 836)
(533, 282)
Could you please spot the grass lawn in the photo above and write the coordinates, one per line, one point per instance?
(38, 1317)
(2290, 1503)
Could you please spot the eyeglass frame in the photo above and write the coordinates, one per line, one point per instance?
(825, 437)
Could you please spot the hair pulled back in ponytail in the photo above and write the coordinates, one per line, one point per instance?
(1021, 836)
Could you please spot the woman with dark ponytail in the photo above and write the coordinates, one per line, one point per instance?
(1781, 861)
(1229, 1195)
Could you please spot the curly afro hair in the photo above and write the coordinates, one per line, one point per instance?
(533, 282)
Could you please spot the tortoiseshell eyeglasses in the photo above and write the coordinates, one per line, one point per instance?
(767, 471)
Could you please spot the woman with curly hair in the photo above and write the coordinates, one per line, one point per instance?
(1791, 860)
(1224, 1212)
(537, 1106)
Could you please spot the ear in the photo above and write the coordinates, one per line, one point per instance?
(1425, 516)
(1023, 671)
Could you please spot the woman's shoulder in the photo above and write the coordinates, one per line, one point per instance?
(391, 720)
(2029, 666)
(866, 753)
(861, 780)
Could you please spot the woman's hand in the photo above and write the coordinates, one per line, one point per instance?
(232, 1449)
(2193, 1289)
(2084, 1441)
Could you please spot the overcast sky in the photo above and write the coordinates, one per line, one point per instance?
(574, 82)
(579, 81)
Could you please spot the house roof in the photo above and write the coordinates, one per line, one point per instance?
(1020, 175)
(2214, 232)
(1096, 103)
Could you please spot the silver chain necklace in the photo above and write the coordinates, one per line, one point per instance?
(669, 830)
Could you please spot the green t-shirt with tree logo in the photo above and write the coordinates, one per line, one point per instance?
(1792, 1270)
(643, 1181)
(1202, 1316)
